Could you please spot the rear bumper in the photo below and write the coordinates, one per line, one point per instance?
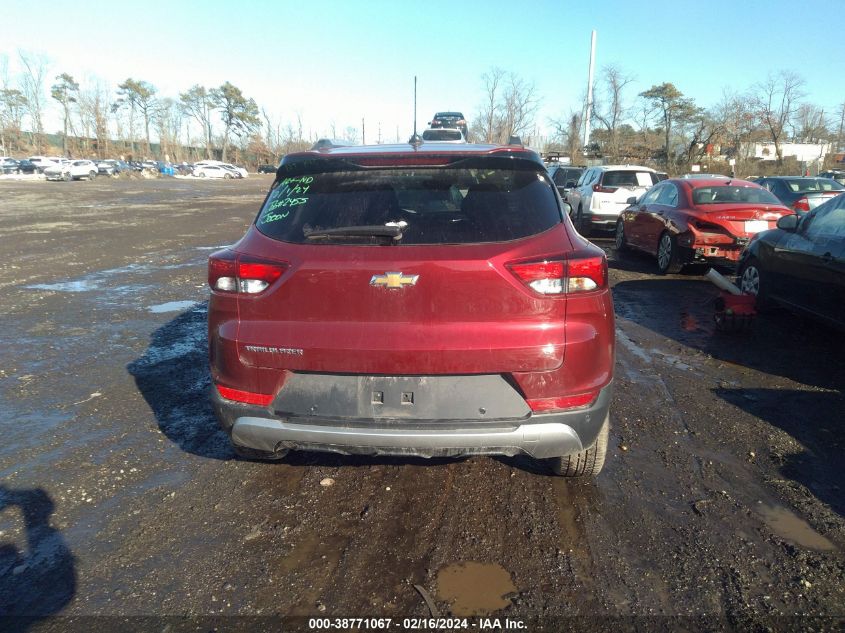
(603, 219)
(539, 436)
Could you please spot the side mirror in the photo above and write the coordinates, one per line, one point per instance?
(631, 200)
(788, 223)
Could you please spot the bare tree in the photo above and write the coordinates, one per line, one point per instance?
(609, 110)
(66, 92)
(809, 124)
(93, 116)
(32, 85)
(508, 108)
(197, 103)
(12, 110)
(138, 96)
(168, 121)
(567, 133)
(519, 106)
(485, 124)
(841, 129)
(776, 101)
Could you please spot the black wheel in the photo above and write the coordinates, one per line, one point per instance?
(668, 254)
(67, 177)
(265, 456)
(92, 175)
(583, 226)
(587, 463)
(621, 240)
(751, 281)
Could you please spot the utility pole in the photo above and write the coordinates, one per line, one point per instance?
(363, 133)
(590, 90)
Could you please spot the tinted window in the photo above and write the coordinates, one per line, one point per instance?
(442, 134)
(668, 196)
(629, 179)
(651, 195)
(808, 185)
(433, 205)
(829, 218)
(725, 194)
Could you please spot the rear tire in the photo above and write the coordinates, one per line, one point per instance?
(583, 226)
(668, 255)
(587, 463)
(751, 281)
(621, 241)
(92, 175)
(264, 456)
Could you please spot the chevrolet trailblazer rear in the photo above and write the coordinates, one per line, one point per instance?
(401, 300)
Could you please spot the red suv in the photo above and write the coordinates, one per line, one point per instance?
(427, 300)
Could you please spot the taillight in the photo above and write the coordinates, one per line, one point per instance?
(234, 273)
(564, 276)
(245, 397)
(545, 405)
(601, 189)
(802, 204)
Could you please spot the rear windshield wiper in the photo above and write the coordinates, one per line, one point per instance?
(374, 230)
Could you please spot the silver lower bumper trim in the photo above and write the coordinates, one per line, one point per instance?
(539, 440)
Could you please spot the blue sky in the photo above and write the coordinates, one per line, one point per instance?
(334, 61)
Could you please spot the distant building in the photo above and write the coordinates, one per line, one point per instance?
(802, 152)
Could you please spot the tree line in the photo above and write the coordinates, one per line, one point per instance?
(135, 120)
(660, 125)
(666, 127)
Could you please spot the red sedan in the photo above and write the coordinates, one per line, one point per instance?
(686, 221)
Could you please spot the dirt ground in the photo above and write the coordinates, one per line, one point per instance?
(721, 505)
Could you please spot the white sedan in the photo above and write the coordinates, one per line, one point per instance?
(239, 172)
(213, 171)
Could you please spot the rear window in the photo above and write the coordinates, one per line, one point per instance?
(432, 205)
(732, 195)
(442, 134)
(629, 179)
(809, 185)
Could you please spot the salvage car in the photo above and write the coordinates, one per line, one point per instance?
(800, 264)
(690, 220)
(413, 300)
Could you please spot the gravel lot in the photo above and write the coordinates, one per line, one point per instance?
(721, 503)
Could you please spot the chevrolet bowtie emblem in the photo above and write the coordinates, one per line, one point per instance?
(393, 280)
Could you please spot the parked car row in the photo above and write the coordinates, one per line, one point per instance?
(15, 166)
(784, 235)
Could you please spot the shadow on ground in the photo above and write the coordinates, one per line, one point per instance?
(41, 580)
(779, 343)
(816, 420)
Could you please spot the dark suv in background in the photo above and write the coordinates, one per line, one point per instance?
(450, 119)
(424, 300)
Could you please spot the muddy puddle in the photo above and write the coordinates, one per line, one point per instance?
(791, 527)
(474, 588)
